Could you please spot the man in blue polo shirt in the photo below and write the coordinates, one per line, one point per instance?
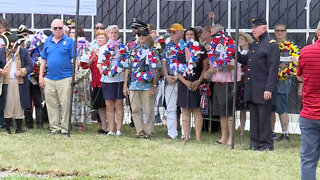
(57, 56)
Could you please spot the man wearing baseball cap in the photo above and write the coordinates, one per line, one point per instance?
(171, 90)
(262, 62)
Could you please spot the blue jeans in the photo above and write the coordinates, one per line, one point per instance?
(310, 147)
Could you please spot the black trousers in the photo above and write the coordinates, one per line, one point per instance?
(260, 126)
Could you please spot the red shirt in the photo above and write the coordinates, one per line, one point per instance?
(309, 69)
(96, 76)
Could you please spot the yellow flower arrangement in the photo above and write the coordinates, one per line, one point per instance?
(288, 48)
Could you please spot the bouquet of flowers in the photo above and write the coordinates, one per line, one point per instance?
(161, 42)
(83, 52)
(290, 50)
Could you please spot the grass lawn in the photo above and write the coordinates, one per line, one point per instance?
(91, 156)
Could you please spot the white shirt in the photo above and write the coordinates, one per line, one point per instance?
(13, 67)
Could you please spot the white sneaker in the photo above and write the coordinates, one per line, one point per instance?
(118, 133)
(110, 133)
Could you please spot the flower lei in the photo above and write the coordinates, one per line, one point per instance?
(110, 53)
(221, 50)
(179, 48)
(161, 42)
(288, 48)
(36, 68)
(35, 44)
(138, 62)
(131, 45)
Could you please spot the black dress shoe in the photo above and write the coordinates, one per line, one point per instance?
(140, 136)
(19, 131)
(101, 131)
(64, 134)
(265, 149)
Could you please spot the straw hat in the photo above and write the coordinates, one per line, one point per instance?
(246, 36)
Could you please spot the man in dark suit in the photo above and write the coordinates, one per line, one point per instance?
(262, 62)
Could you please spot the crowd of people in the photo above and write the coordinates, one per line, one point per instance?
(107, 72)
(193, 66)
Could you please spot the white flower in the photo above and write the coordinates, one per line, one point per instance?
(158, 46)
(153, 65)
(168, 40)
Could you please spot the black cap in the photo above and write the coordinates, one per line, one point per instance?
(258, 22)
(23, 29)
(47, 32)
(143, 31)
(137, 23)
(12, 40)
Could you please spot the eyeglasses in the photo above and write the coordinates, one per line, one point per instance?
(99, 28)
(172, 32)
(57, 28)
(280, 30)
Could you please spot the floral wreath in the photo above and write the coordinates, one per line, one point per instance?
(110, 53)
(179, 48)
(221, 50)
(161, 42)
(288, 48)
(151, 60)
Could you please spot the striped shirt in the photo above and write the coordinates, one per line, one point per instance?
(309, 69)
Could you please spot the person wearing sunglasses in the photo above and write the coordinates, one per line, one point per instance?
(143, 65)
(171, 89)
(283, 89)
(57, 56)
(136, 24)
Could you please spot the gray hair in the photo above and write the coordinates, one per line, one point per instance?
(56, 20)
(110, 27)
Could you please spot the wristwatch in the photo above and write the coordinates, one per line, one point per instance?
(154, 85)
